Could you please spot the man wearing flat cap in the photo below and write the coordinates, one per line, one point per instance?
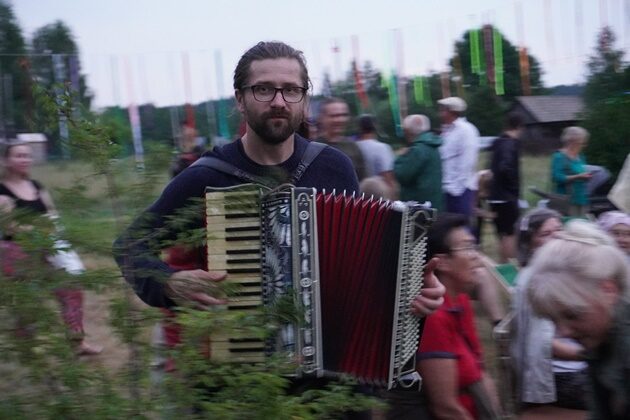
(459, 153)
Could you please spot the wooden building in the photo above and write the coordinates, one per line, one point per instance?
(545, 117)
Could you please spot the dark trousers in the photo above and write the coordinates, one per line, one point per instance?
(460, 204)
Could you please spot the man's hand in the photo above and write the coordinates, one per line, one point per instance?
(432, 295)
(196, 288)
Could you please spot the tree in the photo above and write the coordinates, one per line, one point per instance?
(15, 101)
(486, 111)
(462, 64)
(57, 38)
(606, 70)
(607, 100)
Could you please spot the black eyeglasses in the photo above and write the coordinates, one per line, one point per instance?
(468, 249)
(267, 93)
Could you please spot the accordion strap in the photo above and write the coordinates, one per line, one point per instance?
(313, 149)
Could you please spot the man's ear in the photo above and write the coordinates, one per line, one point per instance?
(239, 100)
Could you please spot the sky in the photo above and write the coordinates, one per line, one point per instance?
(172, 52)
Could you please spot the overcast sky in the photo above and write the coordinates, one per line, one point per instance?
(137, 50)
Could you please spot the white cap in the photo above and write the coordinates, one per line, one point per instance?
(453, 103)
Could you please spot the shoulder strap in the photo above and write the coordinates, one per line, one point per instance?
(313, 149)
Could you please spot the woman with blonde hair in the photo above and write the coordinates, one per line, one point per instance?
(581, 281)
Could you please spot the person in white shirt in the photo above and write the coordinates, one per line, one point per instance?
(459, 153)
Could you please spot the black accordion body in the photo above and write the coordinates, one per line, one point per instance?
(352, 264)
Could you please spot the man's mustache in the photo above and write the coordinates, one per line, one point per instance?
(277, 114)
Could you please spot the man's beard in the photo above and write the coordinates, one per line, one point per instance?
(274, 132)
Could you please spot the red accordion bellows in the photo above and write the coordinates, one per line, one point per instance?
(358, 259)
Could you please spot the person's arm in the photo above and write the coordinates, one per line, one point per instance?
(48, 201)
(439, 380)
(558, 171)
(562, 349)
(407, 166)
(137, 250)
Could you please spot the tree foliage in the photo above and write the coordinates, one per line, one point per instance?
(607, 99)
(57, 38)
(607, 72)
(15, 105)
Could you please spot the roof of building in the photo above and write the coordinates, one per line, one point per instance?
(545, 109)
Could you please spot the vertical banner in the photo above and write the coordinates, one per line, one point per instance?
(459, 75)
(418, 90)
(518, 16)
(579, 32)
(59, 69)
(189, 110)
(145, 95)
(475, 66)
(392, 88)
(499, 87)
(209, 107)
(336, 51)
(113, 63)
(7, 81)
(73, 62)
(523, 60)
(224, 128)
(488, 52)
(401, 79)
(422, 91)
(364, 101)
(549, 31)
(74, 73)
(134, 118)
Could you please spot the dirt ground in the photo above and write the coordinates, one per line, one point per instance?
(99, 332)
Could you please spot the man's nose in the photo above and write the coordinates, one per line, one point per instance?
(278, 100)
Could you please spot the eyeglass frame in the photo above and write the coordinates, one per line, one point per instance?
(468, 248)
(275, 93)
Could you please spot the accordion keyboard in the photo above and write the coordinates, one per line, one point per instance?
(234, 246)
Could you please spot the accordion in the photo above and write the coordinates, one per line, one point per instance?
(351, 264)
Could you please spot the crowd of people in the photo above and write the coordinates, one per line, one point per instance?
(571, 302)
